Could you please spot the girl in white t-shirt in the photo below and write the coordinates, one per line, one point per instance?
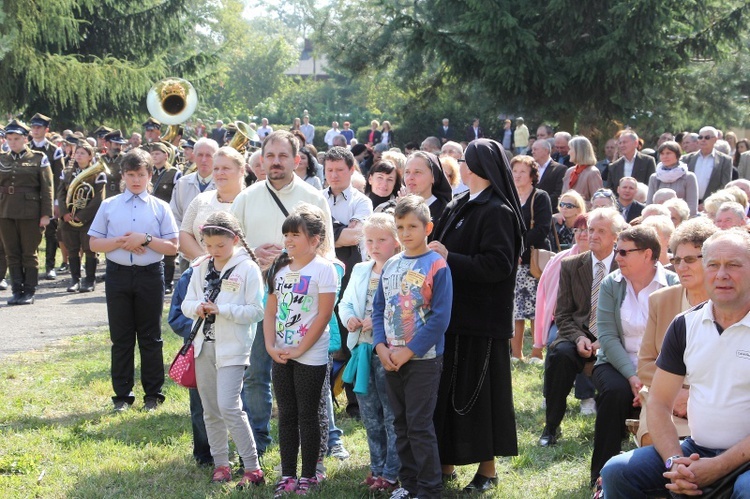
(222, 347)
(301, 291)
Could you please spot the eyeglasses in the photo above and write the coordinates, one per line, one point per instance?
(580, 230)
(462, 160)
(623, 253)
(688, 259)
(705, 137)
(567, 205)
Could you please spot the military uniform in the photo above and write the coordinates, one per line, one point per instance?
(114, 175)
(26, 195)
(162, 185)
(56, 158)
(76, 236)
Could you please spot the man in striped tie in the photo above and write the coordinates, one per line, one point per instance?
(574, 349)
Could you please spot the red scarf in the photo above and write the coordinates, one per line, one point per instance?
(574, 176)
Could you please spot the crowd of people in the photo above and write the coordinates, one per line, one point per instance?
(412, 275)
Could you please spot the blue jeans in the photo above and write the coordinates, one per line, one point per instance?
(377, 417)
(638, 473)
(256, 392)
(334, 432)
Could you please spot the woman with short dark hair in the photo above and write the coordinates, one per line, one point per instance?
(536, 210)
(673, 174)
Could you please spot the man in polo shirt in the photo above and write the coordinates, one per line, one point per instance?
(261, 210)
(706, 347)
(135, 230)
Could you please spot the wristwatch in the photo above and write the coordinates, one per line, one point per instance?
(148, 240)
(671, 462)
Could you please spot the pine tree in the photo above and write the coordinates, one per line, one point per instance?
(92, 61)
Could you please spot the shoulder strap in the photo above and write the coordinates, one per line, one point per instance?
(198, 323)
(278, 201)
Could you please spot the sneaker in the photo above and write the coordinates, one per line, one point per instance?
(306, 485)
(339, 452)
(286, 485)
(3, 285)
(320, 471)
(251, 478)
(150, 405)
(63, 268)
(401, 493)
(536, 361)
(369, 480)
(588, 407)
(121, 406)
(383, 485)
(221, 474)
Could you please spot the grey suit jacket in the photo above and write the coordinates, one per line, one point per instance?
(643, 166)
(574, 297)
(720, 176)
(744, 166)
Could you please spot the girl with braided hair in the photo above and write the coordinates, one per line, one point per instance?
(222, 351)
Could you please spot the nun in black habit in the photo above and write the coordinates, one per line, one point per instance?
(440, 192)
(480, 235)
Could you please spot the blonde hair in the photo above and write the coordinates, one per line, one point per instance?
(583, 151)
(575, 195)
(450, 168)
(382, 221)
(231, 154)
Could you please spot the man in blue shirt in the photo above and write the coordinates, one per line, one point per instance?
(135, 230)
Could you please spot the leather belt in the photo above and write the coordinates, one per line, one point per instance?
(11, 189)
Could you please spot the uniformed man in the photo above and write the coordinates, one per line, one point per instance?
(231, 131)
(26, 201)
(56, 156)
(99, 134)
(81, 193)
(162, 184)
(188, 148)
(152, 130)
(3, 261)
(114, 142)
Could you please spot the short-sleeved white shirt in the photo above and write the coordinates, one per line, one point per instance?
(297, 295)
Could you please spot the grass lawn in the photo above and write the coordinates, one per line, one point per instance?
(59, 437)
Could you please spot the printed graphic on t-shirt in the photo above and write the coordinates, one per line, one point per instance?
(407, 288)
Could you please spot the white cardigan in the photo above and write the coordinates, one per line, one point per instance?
(239, 311)
(354, 301)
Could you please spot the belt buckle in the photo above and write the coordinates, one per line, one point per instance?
(11, 189)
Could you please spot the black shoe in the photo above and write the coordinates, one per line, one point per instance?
(121, 406)
(26, 299)
(3, 285)
(13, 300)
(87, 286)
(549, 438)
(75, 287)
(480, 483)
(168, 290)
(63, 268)
(51, 275)
(150, 404)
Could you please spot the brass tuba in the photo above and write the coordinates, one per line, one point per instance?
(172, 101)
(81, 192)
(245, 139)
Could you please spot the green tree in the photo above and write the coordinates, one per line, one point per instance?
(560, 59)
(90, 61)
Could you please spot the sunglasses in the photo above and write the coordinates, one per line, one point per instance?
(567, 205)
(688, 259)
(605, 193)
(623, 253)
(705, 137)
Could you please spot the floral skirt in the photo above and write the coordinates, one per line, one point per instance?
(525, 298)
